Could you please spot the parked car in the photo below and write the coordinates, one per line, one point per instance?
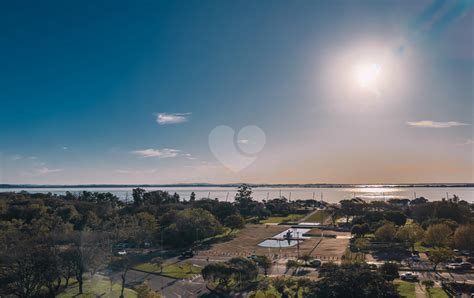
(315, 263)
(415, 258)
(466, 266)
(453, 266)
(410, 276)
(187, 254)
(372, 266)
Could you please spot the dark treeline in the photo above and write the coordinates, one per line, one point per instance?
(46, 239)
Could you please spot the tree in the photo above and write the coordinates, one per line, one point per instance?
(428, 285)
(438, 235)
(234, 222)
(191, 225)
(89, 252)
(192, 198)
(264, 262)
(464, 237)
(440, 255)
(410, 233)
(145, 291)
(386, 233)
(352, 280)
(137, 194)
(389, 270)
(352, 207)
(240, 270)
(360, 229)
(397, 217)
(306, 258)
(220, 273)
(292, 264)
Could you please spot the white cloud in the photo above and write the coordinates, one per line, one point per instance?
(467, 142)
(434, 124)
(135, 172)
(45, 171)
(165, 118)
(17, 157)
(64, 148)
(161, 153)
(243, 141)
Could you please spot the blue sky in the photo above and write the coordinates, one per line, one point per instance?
(83, 85)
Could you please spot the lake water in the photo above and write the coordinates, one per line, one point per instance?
(328, 194)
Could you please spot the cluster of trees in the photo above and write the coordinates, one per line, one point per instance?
(442, 225)
(49, 234)
(346, 280)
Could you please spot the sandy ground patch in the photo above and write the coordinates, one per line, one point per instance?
(247, 240)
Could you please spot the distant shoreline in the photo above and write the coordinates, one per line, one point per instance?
(190, 185)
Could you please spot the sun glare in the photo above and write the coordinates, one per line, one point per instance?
(367, 75)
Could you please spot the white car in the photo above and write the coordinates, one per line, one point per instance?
(453, 266)
(122, 253)
(409, 276)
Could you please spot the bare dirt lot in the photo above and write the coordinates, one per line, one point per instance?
(246, 243)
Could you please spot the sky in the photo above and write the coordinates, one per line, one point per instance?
(236, 91)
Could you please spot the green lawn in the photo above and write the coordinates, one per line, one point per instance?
(280, 219)
(437, 293)
(176, 270)
(96, 286)
(406, 289)
(420, 247)
(319, 216)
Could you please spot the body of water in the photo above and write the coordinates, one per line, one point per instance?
(328, 194)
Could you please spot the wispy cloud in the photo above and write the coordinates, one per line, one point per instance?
(64, 148)
(160, 153)
(467, 142)
(16, 157)
(244, 141)
(45, 171)
(170, 118)
(434, 124)
(135, 172)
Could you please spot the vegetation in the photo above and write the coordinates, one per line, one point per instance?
(405, 289)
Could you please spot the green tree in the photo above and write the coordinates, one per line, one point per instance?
(440, 255)
(389, 270)
(264, 262)
(306, 258)
(428, 285)
(145, 291)
(464, 237)
(292, 264)
(386, 233)
(438, 235)
(234, 221)
(411, 233)
(191, 225)
(137, 194)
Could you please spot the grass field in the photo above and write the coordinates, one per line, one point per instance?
(96, 286)
(319, 216)
(280, 219)
(176, 270)
(437, 293)
(406, 289)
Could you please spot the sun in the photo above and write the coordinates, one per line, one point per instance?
(367, 75)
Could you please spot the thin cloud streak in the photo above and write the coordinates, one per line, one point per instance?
(434, 124)
(160, 153)
(169, 118)
(45, 171)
